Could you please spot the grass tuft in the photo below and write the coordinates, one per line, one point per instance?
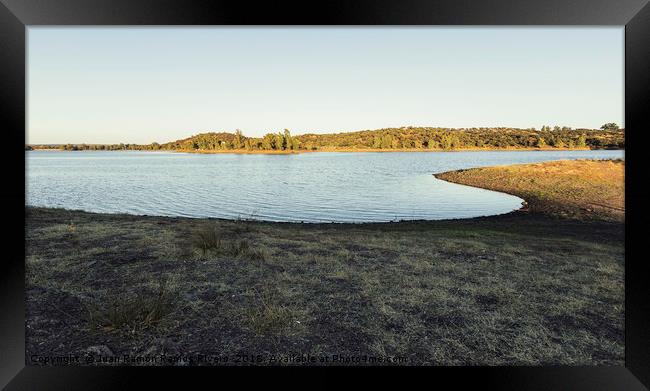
(133, 313)
(242, 249)
(207, 238)
(211, 239)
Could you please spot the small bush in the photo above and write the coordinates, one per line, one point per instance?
(242, 249)
(133, 312)
(208, 238)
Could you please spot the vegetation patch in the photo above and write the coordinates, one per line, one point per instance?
(406, 138)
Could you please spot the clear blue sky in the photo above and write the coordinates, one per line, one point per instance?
(139, 85)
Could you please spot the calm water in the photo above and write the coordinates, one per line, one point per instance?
(310, 187)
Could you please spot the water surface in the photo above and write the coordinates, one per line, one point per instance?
(309, 187)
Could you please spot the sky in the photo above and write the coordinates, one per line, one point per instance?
(146, 84)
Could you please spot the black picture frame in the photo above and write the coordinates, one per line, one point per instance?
(17, 15)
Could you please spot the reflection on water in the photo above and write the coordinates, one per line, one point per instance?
(310, 187)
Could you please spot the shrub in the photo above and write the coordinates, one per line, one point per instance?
(208, 238)
(133, 312)
(242, 249)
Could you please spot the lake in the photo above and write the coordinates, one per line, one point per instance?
(309, 187)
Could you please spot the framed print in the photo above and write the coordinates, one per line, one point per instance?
(453, 189)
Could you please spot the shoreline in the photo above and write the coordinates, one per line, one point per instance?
(345, 150)
(319, 224)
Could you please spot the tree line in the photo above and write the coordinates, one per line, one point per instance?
(610, 136)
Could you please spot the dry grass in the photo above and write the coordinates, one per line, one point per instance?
(269, 317)
(510, 290)
(584, 189)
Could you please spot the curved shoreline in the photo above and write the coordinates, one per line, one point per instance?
(317, 224)
(307, 223)
(524, 202)
(580, 188)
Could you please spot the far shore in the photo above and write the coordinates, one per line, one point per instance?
(348, 150)
(341, 150)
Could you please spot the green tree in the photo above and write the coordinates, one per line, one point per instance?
(288, 141)
(268, 142)
(610, 126)
(446, 141)
(376, 142)
(280, 142)
(239, 139)
(455, 142)
(582, 141)
(387, 142)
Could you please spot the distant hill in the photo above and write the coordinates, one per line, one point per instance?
(389, 139)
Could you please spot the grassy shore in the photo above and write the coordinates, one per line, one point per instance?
(527, 288)
(584, 189)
